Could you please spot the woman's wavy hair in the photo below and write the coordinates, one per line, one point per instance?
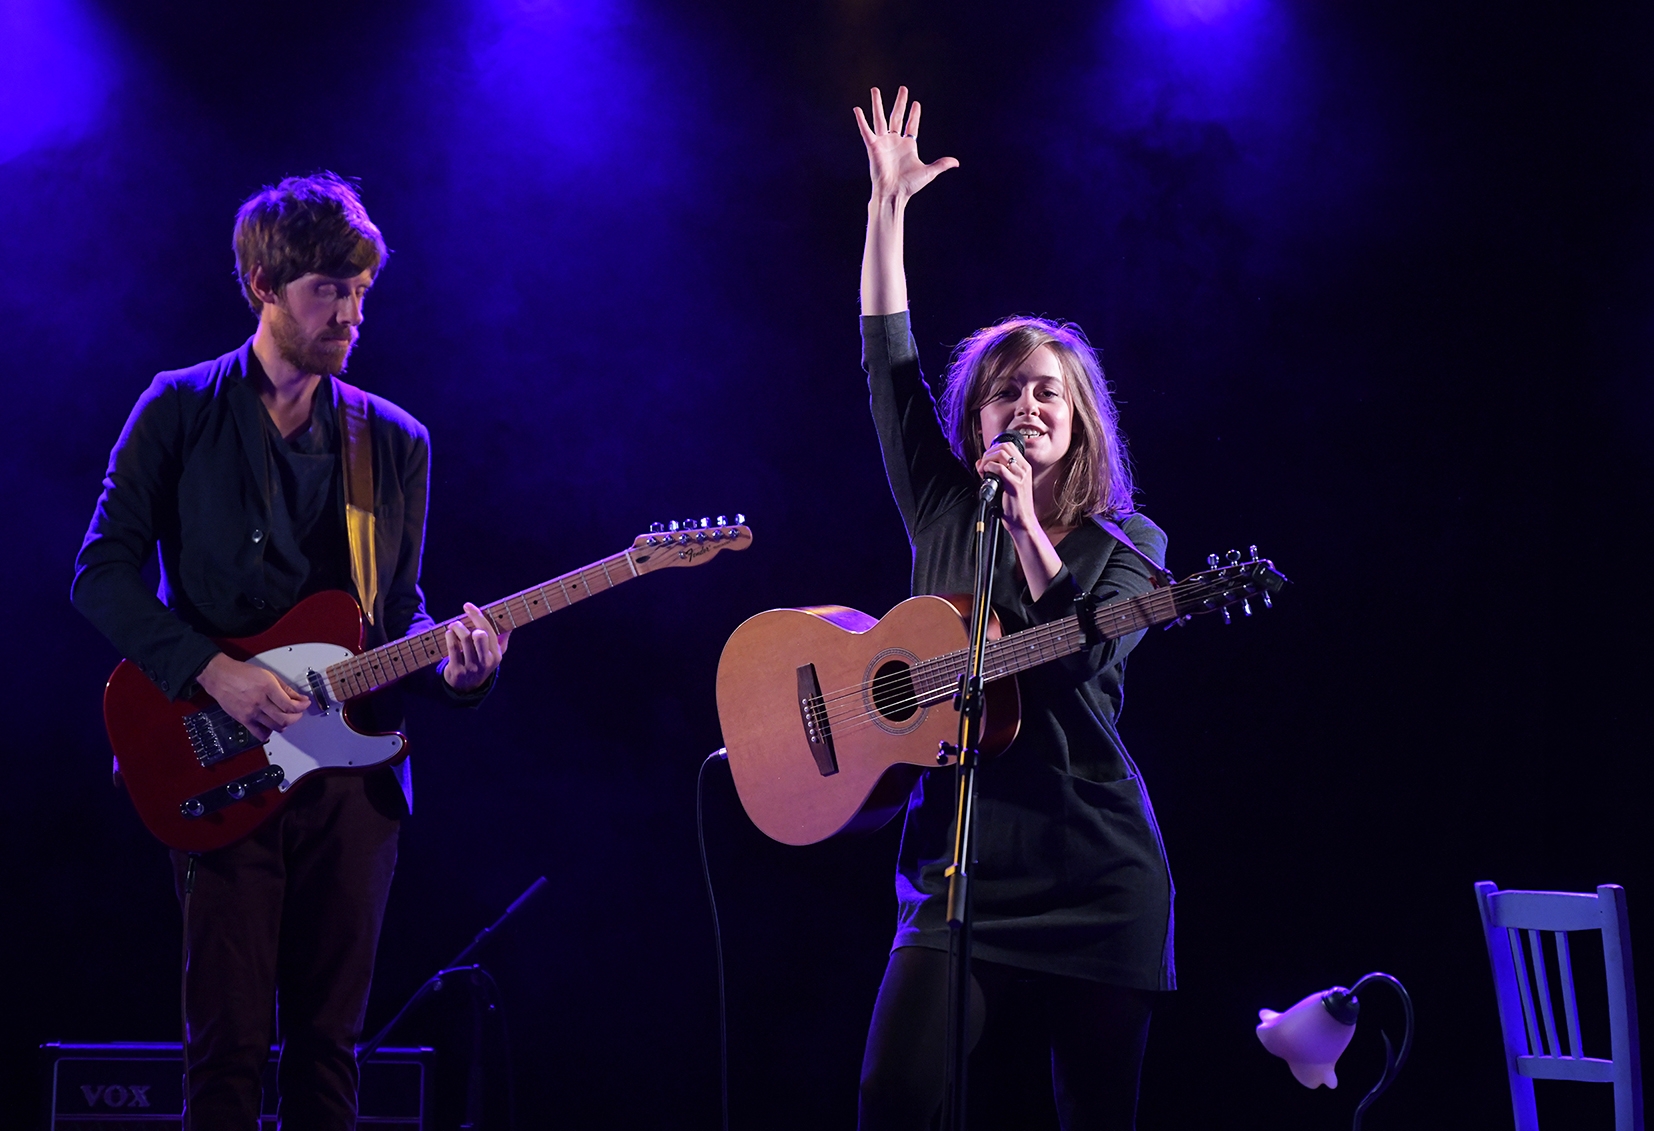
(1095, 477)
(305, 225)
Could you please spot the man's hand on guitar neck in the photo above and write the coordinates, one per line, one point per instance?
(255, 697)
(474, 650)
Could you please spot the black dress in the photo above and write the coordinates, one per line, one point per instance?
(1071, 876)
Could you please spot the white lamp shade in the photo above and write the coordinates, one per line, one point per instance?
(1308, 1038)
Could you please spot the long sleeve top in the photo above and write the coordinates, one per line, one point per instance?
(1071, 876)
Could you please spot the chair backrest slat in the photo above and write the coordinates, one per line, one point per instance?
(1570, 1006)
(1529, 1014)
(1542, 990)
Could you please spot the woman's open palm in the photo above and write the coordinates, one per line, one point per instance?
(893, 148)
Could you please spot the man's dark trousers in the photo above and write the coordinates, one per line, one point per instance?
(297, 905)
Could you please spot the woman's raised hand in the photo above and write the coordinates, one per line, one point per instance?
(893, 161)
(893, 148)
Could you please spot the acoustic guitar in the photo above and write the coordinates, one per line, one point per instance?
(200, 780)
(829, 717)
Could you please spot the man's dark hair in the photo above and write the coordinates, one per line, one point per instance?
(305, 225)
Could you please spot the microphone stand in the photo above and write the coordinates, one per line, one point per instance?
(457, 966)
(479, 979)
(971, 703)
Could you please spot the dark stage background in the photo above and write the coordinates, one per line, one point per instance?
(1372, 280)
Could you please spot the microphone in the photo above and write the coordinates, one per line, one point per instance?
(991, 483)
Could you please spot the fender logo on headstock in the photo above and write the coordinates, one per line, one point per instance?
(689, 542)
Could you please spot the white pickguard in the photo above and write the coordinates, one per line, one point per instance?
(322, 739)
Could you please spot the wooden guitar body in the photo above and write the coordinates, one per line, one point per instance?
(829, 717)
(809, 764)
(176, 757)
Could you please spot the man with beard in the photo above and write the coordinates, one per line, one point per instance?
(234, 471)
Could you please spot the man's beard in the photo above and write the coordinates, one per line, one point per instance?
(309, 355)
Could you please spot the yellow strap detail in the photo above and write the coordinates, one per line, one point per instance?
(364, 564)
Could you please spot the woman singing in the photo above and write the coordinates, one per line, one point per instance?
(1072, 895)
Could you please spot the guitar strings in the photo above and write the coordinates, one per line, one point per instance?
(406, 651)
(1046, 632)
(931, 693)
(927, 688)
(1042, 638)
(358, 675)
(1150, 609)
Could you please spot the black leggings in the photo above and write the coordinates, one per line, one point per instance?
(1094, 1033)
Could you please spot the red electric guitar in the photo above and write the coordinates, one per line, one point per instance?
(200, 780)
(829, 717)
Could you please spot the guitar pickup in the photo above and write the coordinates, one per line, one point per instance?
(817, 732)
(318, 690)
(231, 792)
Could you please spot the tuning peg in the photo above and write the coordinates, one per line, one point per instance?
(673, 525)
(656, 527)
(1212, 561)
(1246, 606)
(1253, 551)
(740, 519)
(722, 521)
(1267, 603)
(705, 522)
(1226, 619)
(1234, 557)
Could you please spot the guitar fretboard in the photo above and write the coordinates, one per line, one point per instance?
(384, 665)
(937, 679)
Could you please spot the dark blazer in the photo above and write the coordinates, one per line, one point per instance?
(189, 477)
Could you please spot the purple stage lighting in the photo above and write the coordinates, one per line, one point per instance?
(57, 68)
(1238, 62)
(1185, 13)
(569, 81)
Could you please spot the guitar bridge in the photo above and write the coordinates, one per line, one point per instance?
(214, 736)
(817, 732)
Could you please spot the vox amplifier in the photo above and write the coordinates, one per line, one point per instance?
(139, 1086)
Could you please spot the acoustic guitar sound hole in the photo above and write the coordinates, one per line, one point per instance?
(893, 693)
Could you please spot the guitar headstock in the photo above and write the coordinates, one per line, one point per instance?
(688, 542)
(1227, 583)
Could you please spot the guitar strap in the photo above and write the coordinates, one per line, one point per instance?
(356, 418)
(1159, 574)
